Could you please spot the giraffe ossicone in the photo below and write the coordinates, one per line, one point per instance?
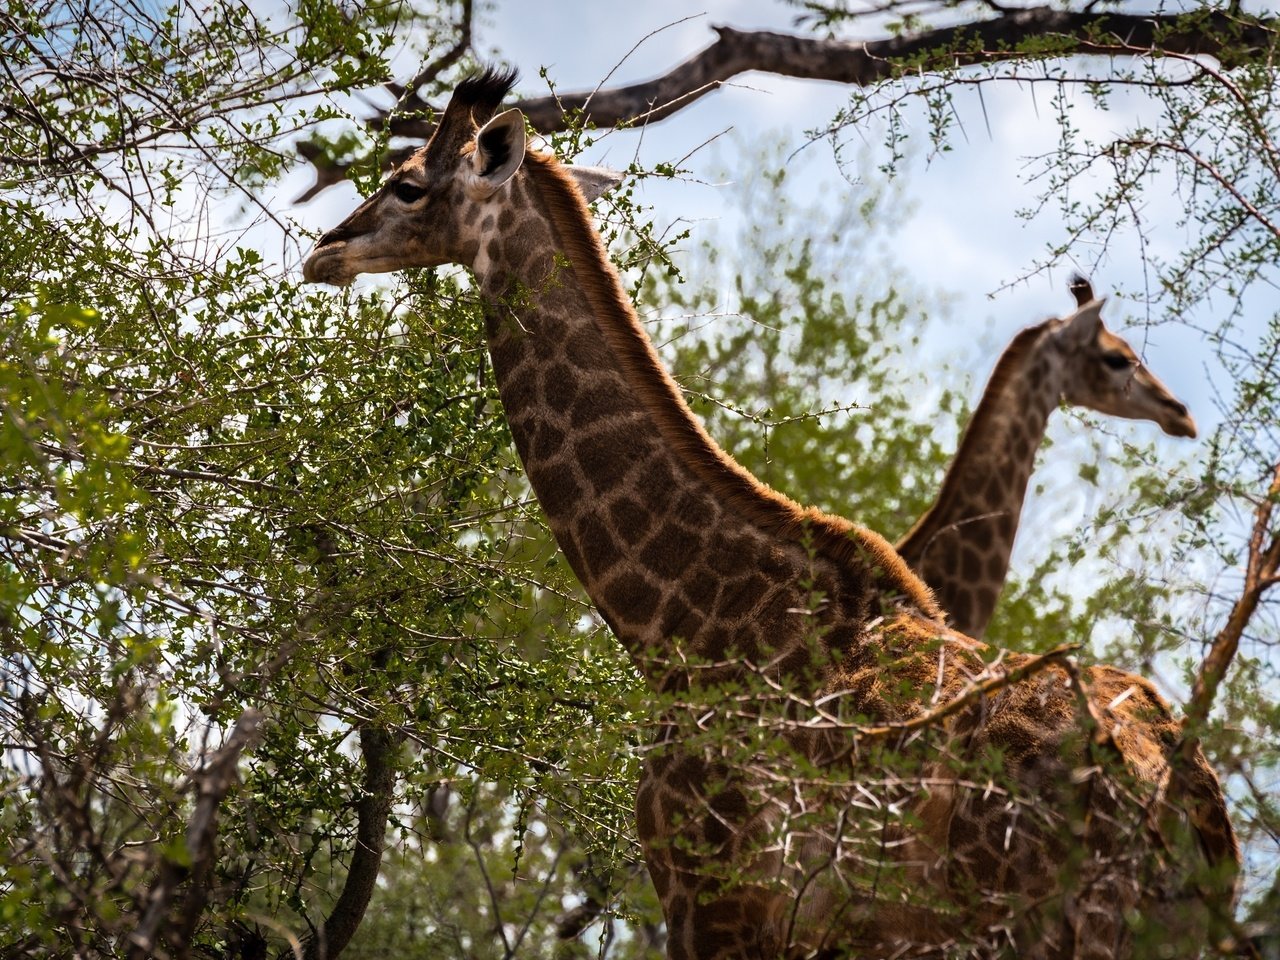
(801, 800)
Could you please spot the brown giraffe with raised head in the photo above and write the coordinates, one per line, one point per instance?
(961, 545)
(778, 832)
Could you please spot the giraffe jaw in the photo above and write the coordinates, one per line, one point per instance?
(335, 266)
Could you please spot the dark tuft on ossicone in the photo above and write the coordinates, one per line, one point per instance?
(1081, 288)
(484, 92)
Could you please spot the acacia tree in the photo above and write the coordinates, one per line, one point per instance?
(248, 529)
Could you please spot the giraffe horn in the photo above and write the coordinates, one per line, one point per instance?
(479, 96)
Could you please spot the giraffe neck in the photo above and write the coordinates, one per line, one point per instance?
(669, 536)
(961, 545)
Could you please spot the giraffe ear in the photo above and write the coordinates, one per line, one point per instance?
(594, 182)
(1082, 326)
(500, 145)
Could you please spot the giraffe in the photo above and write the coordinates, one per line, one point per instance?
(772, 635)
(960, 546)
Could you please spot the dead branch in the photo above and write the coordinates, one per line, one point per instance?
(1225, 34)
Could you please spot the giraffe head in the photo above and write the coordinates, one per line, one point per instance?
(1104, 373)
(440, 204)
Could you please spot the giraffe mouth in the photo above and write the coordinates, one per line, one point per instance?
(326, 264)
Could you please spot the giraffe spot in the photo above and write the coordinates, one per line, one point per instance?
(960, 607)
(493, 249)
(658, 872)
(710, 940)
(980, 534)
(774, 564)
(794, 663)
(700, 590)
(996, 567)
(597, 544)
(548, 440)
(842, 636)
(659, 487)
(631, 521)
(678, 914)
(506, 219)
(677, 620)
(471, 215)
(669, 554)
(730, 558)
(687, 775)
(723, 913)
(970, 564)
(632, 597)
(716, 832)
(988, 596)
(599, 403)
(574, 559)
(715, 646)
(551, 330)
(487, 223)
(1007, 524)
(994, 492)
(519, 395)
(646, 797)
(729, 802)
(693, 508)
(557, 491)
(608, 456)
(559, 388)
(589, 354)
(738, 601)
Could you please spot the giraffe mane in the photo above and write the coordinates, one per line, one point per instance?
(833, 537)
(914, 541)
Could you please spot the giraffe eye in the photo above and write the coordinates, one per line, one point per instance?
(407, 192)
(1117, 361)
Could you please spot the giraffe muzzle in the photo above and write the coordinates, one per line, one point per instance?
(325, 264)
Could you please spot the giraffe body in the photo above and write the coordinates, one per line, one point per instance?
(961, 545)
(744, 611)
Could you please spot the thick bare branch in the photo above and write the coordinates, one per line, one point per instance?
(862, 63)
(372, 809)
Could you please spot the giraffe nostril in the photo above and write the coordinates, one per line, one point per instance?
(1178, 407)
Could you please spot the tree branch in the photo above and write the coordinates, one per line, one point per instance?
(1260, 573)
(372, 810)
(211, 783)
(437, 66)
(859, 63)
